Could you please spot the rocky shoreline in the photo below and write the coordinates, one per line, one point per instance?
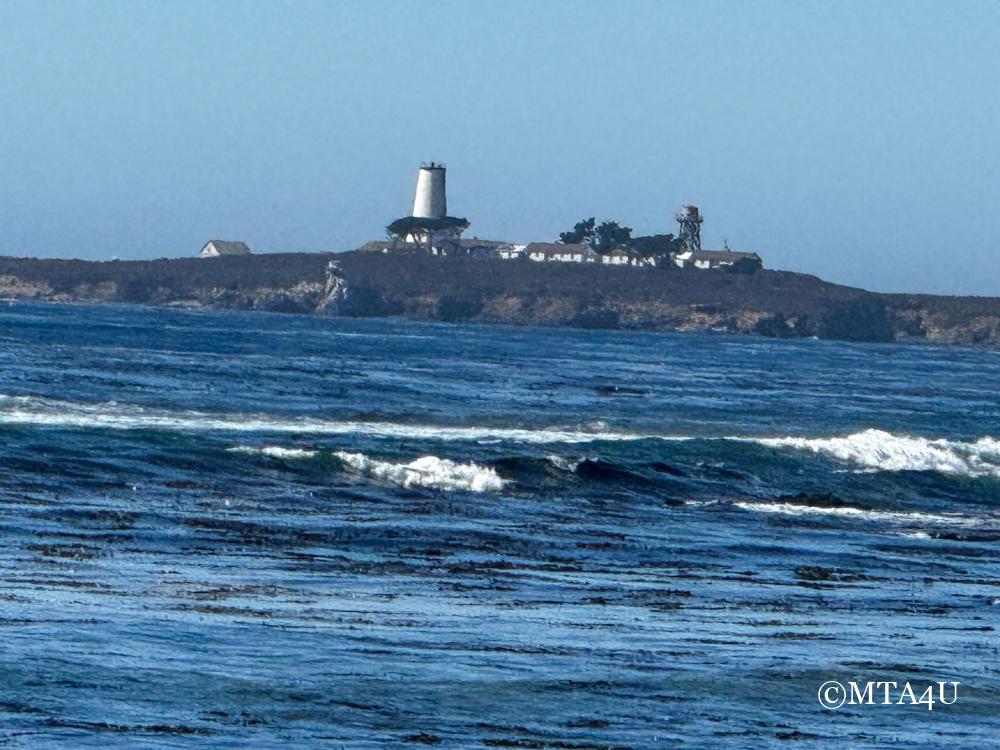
(457, 289)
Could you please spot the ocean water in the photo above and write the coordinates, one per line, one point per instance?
(227, 530)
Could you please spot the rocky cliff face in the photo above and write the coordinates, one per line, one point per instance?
(766, 303)
(294, 282)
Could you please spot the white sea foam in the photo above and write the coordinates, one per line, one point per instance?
(274, 451)
(988, 446)
(427, 471)
(883, 451)
(888, 516)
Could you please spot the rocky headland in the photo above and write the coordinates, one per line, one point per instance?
(486, 290)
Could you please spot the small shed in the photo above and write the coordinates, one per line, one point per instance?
(215, 248)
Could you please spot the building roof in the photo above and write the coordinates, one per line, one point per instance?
(482, 243)
(226, 247)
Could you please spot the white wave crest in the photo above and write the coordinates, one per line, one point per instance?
(868, 450)
(888, 516)
(28, 410)
(883, 451)
(427, 471)
(274, 451)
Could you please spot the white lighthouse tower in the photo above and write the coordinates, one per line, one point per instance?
(429, 201)
(429, 226)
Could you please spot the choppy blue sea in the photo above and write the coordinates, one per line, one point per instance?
(228, 530)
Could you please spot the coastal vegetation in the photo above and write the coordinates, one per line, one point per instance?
(602, 238)
(609, 236)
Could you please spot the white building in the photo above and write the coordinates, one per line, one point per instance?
(626, 258)
(511, 252)
(716, 259)
(215, 248)
(557, 252)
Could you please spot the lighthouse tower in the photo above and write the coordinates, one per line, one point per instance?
(429, 201)
(429, 226)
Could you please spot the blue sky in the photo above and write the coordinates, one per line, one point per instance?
(857, 141)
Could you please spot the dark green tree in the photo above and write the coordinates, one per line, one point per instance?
(656, 244)
(582, 232)
(609, 236)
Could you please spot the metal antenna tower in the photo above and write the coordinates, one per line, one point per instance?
(690, 227)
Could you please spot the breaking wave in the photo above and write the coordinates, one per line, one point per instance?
(427, 471)
(872, 449)
(883, 451)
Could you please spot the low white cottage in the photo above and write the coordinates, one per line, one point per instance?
(548, 252)
(215, 248)
(717, 259)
